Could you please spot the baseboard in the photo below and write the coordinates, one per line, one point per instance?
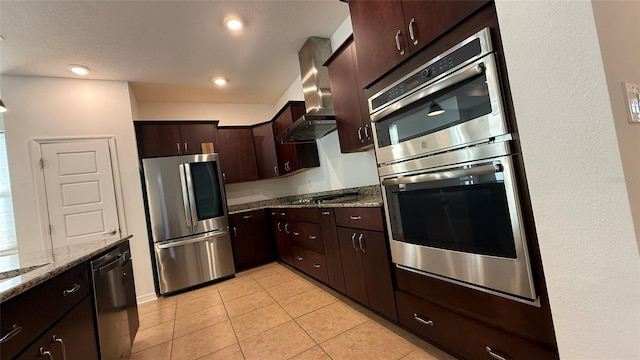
(146, 298)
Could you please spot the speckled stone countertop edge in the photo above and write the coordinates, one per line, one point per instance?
(365, 201)
(63, 260)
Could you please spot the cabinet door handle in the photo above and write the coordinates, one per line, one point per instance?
(312, 237)
(178, 147)
(316, 265)
(224, 177)
(366, 131)
(353, 242)
(295, 233)
(275, 169)
(44, 352)
(360, 133)
(15, 329)
(353, 217)
(283, 214)
(360, 242)
(279, 228)
(494, 355)
(247, 217)
(273, 213)
(186, 147)
(75, 288)
(326, 213)
(412, 35)
(299, 258)
(286, 228)
(235, 232)
(56, 339)
(400, 49)
(422, 321)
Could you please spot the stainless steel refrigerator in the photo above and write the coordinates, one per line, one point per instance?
(187, 212)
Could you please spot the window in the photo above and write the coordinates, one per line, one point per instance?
(8, 243)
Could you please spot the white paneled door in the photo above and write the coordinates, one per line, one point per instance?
(80, 194)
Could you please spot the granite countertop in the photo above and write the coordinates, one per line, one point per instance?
(57, 260)
(369, 196)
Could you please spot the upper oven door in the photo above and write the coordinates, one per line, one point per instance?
(462, 108)
(205, 192)
(461, 222)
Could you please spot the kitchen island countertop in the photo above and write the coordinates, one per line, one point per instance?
(56, 261)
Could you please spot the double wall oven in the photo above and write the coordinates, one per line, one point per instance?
(446, 166)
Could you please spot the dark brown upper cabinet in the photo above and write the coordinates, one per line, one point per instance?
(293, 157)
(167, 138)
(387, 32)
(237, 154)
(349, 100)
(265, 145)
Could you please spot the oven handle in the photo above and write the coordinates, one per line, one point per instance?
(434, 87)
(450, 174)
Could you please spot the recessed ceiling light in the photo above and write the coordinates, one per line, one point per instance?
(233, 22)
(220, 81)
(78, 69)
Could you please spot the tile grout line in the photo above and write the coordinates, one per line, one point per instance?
(173, 332)
(232, 328)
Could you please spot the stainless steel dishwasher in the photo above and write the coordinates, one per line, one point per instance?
(110, 303)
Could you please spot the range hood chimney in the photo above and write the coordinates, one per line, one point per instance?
(320, 118)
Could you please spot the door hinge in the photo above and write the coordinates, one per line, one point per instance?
(42, 163)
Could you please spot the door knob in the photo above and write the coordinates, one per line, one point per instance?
(110, 232)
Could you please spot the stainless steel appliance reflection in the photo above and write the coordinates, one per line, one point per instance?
(188, 218)
(447, 171)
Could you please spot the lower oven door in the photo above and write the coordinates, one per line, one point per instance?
(462, 223)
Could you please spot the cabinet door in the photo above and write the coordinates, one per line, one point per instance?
(251, 244)
(283, 242)
(332, 250)
(265, 145)
(375, 25)
(194, 135)
(132, 305)
(352, 265)
(377, 273)
(158, 140)
(237, 155)
(293, 157)
(76, 333)
(347, 100)
(432, 18)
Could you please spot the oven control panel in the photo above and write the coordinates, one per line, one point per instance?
(428, 72)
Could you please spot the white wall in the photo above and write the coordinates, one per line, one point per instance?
(53, 107)
(228, 114)
(570, 151)
(618, 26)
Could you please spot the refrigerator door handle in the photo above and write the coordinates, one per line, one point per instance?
(205, 237)
(185, 196)
(192, 196)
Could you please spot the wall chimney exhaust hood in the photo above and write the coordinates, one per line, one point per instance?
(320, 118)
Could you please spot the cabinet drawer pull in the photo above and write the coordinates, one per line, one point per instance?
(235, 232)
(326, 213)
(286, 228)
(246, 217)
(75, 288)
(15, 329)
(316, 265)
(299, 258)
(275, 169)
(279, 228)
(366, 131)
(178, 147)
(360, 133)
(283, 214)
(295, 233)
(56, 339)
(273, 213)
(44, 352)
(353, 217)
(400, 49)
(360, 242)
(422, 321)
(494, 355)
(353, 242)
(186, 147)
(412, 35)
(312, 237)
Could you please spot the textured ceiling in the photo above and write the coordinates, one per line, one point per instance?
(168, 50)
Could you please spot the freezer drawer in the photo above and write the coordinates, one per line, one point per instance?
(192, 261)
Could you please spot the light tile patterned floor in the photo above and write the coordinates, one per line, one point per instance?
(267, 313)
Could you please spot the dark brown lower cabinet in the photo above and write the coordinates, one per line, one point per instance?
(251, 239)
(332, 250)
(74, 334)
(367, 273)
(465, 337)
(310, 262)
(283, 241)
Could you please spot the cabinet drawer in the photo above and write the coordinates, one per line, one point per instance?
(303, 214)
(465, 337)
(311, 263)
(360, 218)
(246, 217)
(37, 309)
(307, 235)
